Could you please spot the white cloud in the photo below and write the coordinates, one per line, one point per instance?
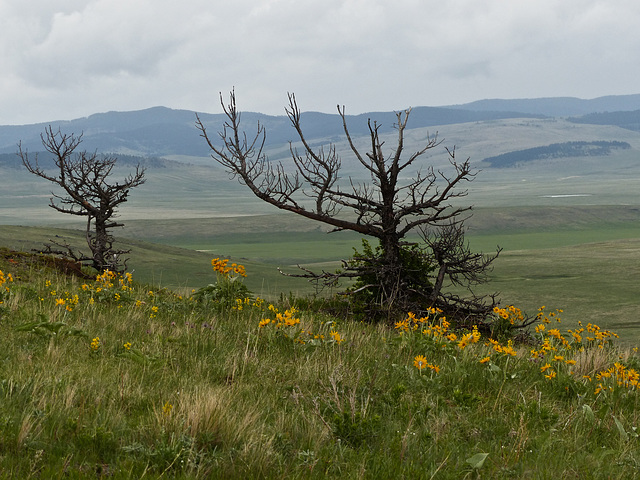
(72, 58)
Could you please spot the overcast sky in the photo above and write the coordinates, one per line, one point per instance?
(64, 59)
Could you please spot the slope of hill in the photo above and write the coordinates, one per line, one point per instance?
(556, 150)
(629, 120)
(45, 160)
(556, 106)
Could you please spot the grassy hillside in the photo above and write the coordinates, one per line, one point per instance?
(114, 379)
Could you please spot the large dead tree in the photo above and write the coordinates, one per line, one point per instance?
(88, 192)
(402, 197)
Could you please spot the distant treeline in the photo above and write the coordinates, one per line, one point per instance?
(556, 150)
(12, 160)
(628, 120)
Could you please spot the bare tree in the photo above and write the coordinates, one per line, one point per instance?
(88, 192)
(394, 204)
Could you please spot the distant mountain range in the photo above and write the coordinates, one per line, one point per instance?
(161, 131)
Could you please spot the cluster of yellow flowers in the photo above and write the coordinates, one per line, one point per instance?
(504, 349)
(106, 278)
(5, 278)
(556, 346)
(619, 375)
(412, 323)
(105, 282)
(552, 338)
(68, 302)
(420, 362)
(241, 303)
(437, 327)
(557, 360)
(554, 350)
(286, 319)
(546, 319)
(335, 336)
(469, 338)
(166, 409)
(220, 266)
(510, 313)
(301, 336)
(95, 344)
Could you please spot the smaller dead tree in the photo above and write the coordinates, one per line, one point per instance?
(454, 260)
(88, 192)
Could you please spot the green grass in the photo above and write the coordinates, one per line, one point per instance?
(149, 384)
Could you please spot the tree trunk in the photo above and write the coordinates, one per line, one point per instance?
(390, 275)
(99, 245)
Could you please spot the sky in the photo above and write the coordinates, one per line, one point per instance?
(66, 59)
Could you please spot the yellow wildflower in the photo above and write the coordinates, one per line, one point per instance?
(264, 322)
(336, 337)
(420, 362)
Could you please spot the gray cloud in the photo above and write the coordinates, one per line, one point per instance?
(72, 58)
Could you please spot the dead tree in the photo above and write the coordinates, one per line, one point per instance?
(88, 192)
(402, 197)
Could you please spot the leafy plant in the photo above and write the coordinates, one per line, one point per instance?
(355, 429)
(45, 328)
(228, 287)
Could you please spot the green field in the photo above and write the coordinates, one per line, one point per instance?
(585, 260)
